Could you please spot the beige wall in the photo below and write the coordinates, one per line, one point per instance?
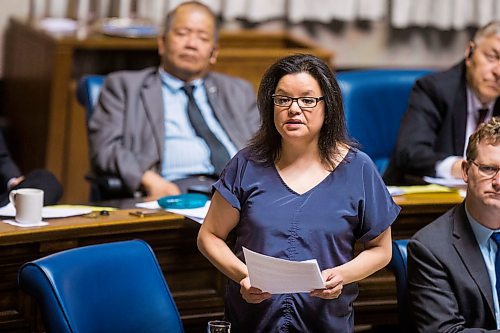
(372, 45)
(379, 45)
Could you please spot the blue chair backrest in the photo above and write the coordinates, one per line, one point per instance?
(88, 90)
(103, 187)
(374, 103)
(114, 287)
(399, 266)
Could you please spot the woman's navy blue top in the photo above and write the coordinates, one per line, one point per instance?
(351, 204)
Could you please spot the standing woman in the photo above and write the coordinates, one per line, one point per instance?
(299, 191)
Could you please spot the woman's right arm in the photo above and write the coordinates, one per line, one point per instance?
(220, 220)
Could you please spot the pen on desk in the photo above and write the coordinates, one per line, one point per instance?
(146, 213)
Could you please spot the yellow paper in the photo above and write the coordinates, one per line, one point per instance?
(431, 188)
(94, 208)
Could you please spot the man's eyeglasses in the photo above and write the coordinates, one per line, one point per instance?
(486, 170)
(303, 102)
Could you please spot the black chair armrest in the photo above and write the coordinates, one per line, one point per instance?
(106, 187)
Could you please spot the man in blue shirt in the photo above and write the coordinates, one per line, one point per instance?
(142, 129)
(452, 267)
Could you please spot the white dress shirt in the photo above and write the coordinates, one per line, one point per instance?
(443, 167)
(488, 249)
(185, 153)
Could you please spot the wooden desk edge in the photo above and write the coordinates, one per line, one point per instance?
(81, 225)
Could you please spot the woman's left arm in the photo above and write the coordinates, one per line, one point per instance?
(376, 255)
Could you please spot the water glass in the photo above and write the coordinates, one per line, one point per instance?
(218, 326)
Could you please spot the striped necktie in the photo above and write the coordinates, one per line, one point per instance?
(218, 153)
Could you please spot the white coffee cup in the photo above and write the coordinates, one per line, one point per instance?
(28, 203)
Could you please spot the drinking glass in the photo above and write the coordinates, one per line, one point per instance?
(219, 326)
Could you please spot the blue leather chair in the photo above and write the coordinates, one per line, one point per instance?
(88, 92)
(114, 287)
(399, 266)
(374, 102)
(103, 187)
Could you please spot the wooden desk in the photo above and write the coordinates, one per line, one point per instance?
(196, 285)
(40, 74)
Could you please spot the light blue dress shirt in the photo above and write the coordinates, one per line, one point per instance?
(186, 153)
(488, 249)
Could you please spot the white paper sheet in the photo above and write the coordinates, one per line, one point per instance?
(449, 182)
(394, 191)
(24, 225)
(55, 24)
(49, 212)
(195, 214)
(279, 276)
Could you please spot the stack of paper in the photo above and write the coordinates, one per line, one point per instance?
(195, 214)
(50, 212)
(449, 182)
(431, 188)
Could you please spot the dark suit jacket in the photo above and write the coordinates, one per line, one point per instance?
(126, 130)
(41, 179)
(433, 128)
(8, 169)
(449, 286)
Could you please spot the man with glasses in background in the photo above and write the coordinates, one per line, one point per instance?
(454, 262)
(444, 109)
(165, 129)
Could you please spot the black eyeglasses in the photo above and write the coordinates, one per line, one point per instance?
(302, 102)
(486, 170)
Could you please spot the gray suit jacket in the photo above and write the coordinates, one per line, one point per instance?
(449, 286)
(126, 130)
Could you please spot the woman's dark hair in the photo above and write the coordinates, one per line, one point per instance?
(266, 144)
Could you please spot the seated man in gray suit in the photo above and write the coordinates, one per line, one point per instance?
(454, 262)
(163, 129)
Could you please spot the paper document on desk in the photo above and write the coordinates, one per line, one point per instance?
(449, 182)
(416, 189)
(50, 212)
(195, 214)
(280, 276)
(394, 190)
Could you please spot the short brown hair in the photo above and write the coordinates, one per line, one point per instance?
(487, 132)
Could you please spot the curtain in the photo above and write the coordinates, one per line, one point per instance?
(439, 14)
(444, 14)
(297, 11)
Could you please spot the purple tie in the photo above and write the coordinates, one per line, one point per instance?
(481, 116)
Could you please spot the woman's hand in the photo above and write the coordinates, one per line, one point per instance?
(333, 285)
(252, 294)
